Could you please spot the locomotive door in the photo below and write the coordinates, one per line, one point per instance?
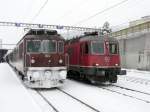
(84, 51)
(81, 54)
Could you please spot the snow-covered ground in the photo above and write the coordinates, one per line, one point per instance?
(138, 80)
(15, 97)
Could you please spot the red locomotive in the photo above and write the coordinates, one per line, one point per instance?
(39, 58)
(93, 57)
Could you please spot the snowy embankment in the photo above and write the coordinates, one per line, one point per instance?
(13, 96)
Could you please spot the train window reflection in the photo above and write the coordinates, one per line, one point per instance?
(97, 48)
(48, 46)
(33, 46)
(113, 48)
(44, 46)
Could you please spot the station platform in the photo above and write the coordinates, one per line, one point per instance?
(14, 97)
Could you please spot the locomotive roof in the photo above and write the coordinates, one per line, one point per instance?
(42, 34)
(92, 38)
(97, 38)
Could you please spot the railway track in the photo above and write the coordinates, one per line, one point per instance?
(124, 94)
(47, 101)
(67, 94)
(127, 95)
(94, 109)
(137, 80)
(130, 89)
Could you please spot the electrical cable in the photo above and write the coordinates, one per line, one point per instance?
(69, 12)
(42, 7)
(109, 8)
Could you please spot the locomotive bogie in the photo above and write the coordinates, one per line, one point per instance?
(94, 74)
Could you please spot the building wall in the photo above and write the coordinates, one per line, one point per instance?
(135, 51)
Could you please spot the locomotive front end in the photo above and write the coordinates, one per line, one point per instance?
(105, 60)
(100, 60)
(45, 62)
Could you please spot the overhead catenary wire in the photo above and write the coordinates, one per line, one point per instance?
(107, 9)
(39, 11)
(70, 11)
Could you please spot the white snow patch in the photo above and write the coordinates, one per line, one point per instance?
(14, 96)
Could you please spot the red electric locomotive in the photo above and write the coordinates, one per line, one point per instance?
(93, 57)
(39, 58)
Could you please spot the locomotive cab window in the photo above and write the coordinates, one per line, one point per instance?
(48, 46)
(97, 47)
(113, 48)
(60, 47)
(43, 46)
(33, 46)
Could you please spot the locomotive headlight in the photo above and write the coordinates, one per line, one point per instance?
(116, 64)
(97, 64)
(60, 61)
(32, 61)
(49, 61)
(63, 74)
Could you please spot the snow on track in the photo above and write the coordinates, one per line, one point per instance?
(104, 100)
(63, 102)
(133, 94)
(14, 96)
(137, 80)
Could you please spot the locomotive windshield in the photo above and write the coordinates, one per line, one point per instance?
(113, 48)
(97, 47)
(43, 46)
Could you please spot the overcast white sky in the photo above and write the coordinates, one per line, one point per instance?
(68, 12)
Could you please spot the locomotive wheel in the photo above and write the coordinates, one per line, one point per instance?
(113, 78)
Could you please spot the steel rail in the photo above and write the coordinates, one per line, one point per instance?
(48, 102)
(87, 105)
(146, 101)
